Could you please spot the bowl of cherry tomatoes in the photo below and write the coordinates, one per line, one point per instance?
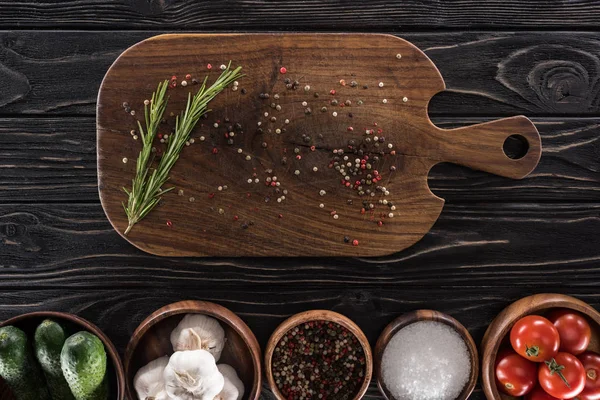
(543, 347)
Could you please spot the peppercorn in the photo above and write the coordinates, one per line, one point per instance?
(318, 357)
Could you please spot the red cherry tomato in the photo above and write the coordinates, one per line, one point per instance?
(535, 338)
(539, 394)
(515, 375)
(563, 376)
(591, 365)
(573, 330)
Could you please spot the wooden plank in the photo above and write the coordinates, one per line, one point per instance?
(471, 245)
(349, 15)
(524, 72)
(48, 159)
(118, 312)
(54, 160)
(58, 73)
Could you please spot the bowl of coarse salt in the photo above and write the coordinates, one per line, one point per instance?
(426, 355)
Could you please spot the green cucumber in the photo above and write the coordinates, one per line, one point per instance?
(18, 367)
(49, 339)
(83, 363)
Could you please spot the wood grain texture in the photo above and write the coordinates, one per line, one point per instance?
(53, 159)
(521, 245)
(532, 73)
(48, 160)
(297, 15)
(413, 145)
(151, 340)
(425, 315)
(498, 332)
(318, 315)
(40, 73)
(58, 252)
(29, 322)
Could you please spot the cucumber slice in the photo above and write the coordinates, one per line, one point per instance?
(18, 367)
(83, 363)
(49, 339)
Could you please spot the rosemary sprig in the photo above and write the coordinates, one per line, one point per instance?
(146, 190)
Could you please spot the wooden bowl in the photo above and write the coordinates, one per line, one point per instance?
(318, 315)
(540, 304)
(29, 322)
(426, 315)
(151, 340)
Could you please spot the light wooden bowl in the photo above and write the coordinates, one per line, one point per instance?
(151, 340)
(426, 315)
(540, 304)
(318, 315)
(29, 322)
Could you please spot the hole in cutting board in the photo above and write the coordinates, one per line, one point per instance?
(515, 147)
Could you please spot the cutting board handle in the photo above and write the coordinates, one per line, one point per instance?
(481, 146)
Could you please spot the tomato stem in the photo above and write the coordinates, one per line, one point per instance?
(557, 369)
(532, 351)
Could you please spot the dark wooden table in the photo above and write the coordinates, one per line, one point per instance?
(497, 240)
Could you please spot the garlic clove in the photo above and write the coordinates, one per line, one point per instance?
(149, 382)
(234, 387)
(193, 375)
(199, 332)
(229, 392)
(190, 340)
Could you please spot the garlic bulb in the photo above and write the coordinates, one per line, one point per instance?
(198, 331)
(149, 382)
(234, 387)
(193, 375)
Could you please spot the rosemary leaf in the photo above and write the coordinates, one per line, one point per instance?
(146, 186)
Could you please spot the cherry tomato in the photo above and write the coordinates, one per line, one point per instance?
(591, 365)
(535, 338)
(539, 394)
(563, 376)
(515, 375)
(573, 330)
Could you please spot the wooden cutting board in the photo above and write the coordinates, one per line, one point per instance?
(329, 158)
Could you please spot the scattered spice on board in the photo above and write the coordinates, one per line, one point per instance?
(426, 360)
(147, 184)
(318, 360)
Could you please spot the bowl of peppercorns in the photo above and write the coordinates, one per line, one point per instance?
(318, 354)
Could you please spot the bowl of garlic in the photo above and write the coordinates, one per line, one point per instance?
(193, 350)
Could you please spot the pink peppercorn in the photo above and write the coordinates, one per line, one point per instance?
(355, 242)
(283, 70)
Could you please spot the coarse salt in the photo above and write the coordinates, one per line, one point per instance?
(426, 360)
